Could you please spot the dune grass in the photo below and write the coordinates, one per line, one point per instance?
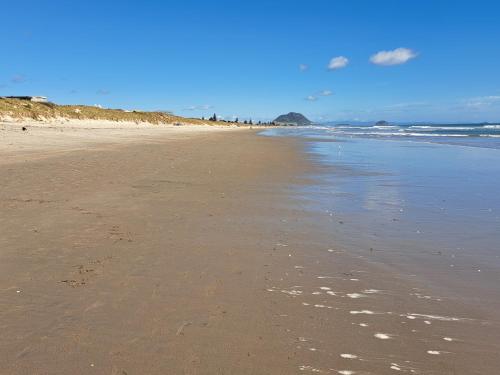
(17, 109)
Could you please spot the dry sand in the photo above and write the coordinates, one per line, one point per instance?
(35, 139)
(188, 251)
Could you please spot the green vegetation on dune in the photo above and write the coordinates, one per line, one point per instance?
(26, 110)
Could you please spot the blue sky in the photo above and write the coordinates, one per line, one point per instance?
(260, 58)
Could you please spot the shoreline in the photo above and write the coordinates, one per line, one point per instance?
(194, 253)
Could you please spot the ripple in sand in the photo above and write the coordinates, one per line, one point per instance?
(404, 368)
(356, 295)
(395, 366)
(292, 292)
(437, 317)
(372, 291)
(349, 356)
(308, 368)
(382, 336)
(366, 312)
(422, 296)
(323, 306)
(433, 352)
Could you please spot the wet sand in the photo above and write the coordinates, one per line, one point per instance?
(196, 255)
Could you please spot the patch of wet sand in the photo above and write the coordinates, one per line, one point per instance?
(194, 256)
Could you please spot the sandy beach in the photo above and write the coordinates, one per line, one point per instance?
(188, 250)
(23, 140)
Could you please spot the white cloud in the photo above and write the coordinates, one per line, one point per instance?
(312, 98)
(338, 62)
(326, 93)
(303, 67)
(394, 57)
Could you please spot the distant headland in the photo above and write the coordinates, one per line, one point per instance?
(292, 118)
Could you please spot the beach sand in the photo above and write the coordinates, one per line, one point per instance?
(187, 250)
(20, 141)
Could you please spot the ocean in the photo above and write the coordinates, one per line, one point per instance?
(477, 135)
(423, 198)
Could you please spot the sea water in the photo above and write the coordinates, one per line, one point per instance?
(427, 205)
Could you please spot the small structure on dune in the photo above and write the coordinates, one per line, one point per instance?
(37, 99)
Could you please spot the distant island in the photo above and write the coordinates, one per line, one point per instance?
(292, 118)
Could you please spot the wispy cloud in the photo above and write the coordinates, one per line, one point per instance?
(407, 106)
(482, 102)
(480, 108)
(338, 62)
(203, 107)
(395, 57)
(102, 92)
(303, 67)
(18, 78)
(314, 97)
